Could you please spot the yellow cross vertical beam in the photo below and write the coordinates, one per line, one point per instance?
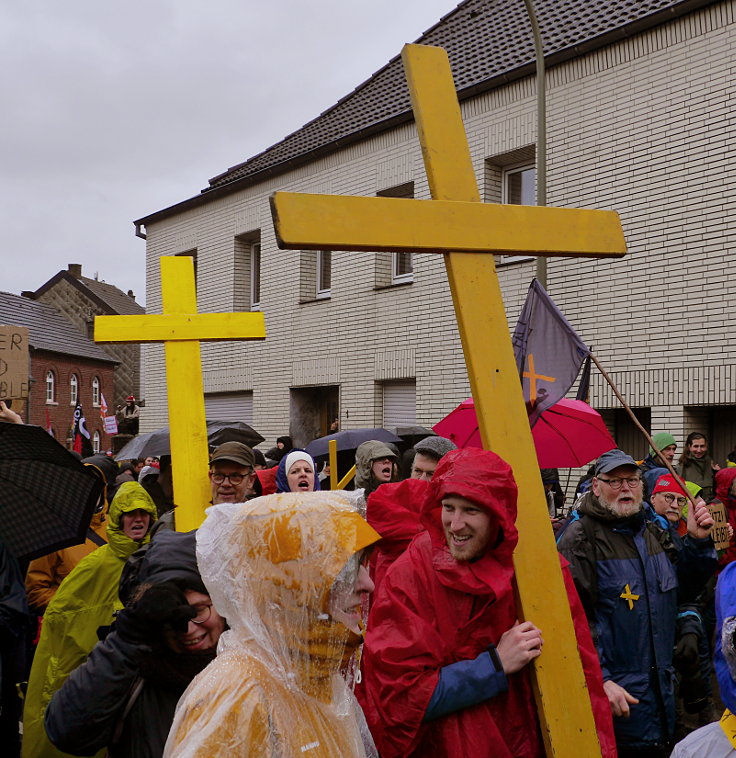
(187, 427)
(563, 705)
(181, 329)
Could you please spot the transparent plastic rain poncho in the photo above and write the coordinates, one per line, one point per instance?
(276, 568)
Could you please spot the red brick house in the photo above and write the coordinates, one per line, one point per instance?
(64, 366)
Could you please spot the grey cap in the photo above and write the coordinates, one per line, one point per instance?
(435, 447)
(613, 459)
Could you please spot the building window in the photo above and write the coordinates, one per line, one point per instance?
(395, 268)
(96, 392)
(50, 387)
(520, 185)
(74, 389)
(96, 442)
(255, 276)
(403, 267)
(324, 273)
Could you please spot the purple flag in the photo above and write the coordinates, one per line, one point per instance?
(548, 351)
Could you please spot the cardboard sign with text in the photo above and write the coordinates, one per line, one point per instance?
(111, 425)
(720, 526)
(14, 367)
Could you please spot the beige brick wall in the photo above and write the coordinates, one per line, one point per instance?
(643, 127)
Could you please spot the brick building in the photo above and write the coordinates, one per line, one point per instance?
(80, 299)
(640, 120)
(65, 366)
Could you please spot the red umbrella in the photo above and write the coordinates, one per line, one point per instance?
(567, 435)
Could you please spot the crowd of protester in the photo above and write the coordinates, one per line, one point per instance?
(377, 621)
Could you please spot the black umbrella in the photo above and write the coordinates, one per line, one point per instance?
(47, 496)
(349, 440)
(158, 443)
(412, 432)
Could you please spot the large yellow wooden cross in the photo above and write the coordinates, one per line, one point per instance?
(181, 329)
(452, 222)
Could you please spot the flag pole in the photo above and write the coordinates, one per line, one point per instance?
(638, 425)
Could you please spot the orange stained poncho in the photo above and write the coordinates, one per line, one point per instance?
(273, 568)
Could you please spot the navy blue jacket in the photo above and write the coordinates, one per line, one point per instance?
(626, 572)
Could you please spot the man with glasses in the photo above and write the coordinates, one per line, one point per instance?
(232, 472)
(622, 564)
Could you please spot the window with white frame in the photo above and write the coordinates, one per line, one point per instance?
(255, 276)
(96, 442)
(50, 387)
(324, 273)
(403, 267)
(96, 392)
(519, 185)
(401, 264)
(73, 389)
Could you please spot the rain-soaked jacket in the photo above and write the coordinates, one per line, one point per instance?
(393, 510)
(275, 688)
(366, 453)
(86, 600)
(124, 695)
(613, 557)
(433, 611)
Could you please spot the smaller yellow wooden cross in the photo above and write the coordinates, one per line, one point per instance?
(181, 329)
(629, 597)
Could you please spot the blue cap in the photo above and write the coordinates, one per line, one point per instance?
(613, 459)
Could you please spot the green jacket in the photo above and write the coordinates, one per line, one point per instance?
(85, 601)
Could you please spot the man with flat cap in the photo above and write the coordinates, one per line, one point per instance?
(232, 473)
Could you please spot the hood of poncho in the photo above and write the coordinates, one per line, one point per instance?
(487, 480)
(129, 497)
(270, 565)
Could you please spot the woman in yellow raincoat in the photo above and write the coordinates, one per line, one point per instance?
(287, 571)
(85, 601)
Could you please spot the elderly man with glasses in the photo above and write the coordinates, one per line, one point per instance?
(630, 578)
(232, 472)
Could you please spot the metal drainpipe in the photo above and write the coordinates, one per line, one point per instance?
(541, 128)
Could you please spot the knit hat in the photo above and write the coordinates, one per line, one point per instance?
(667, 483)
(298, 455)
(435, 447)
(130, 397)
(662, 440)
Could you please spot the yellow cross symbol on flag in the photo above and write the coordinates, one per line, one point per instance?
(629, 597)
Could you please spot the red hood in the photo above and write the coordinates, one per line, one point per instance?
(393, 510)
(484, 478)
(724, 480)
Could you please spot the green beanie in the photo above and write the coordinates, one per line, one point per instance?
(662, 440)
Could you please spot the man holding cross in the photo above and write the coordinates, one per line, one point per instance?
(446, 659)
(623, 568)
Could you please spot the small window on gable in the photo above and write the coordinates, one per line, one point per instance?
(520, 185)
(73, 389)
(324, 273)
(395, 268)
(50, 387)
(96, 392)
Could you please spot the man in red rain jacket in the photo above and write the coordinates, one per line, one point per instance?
(446, 661)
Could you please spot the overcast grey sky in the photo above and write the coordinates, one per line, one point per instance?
(113, 110)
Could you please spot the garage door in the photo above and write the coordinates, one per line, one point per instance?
(229, 406)
(399, 403)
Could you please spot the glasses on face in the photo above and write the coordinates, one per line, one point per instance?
(234, 479)
(203, 613)
(616, 484)
(681, 501)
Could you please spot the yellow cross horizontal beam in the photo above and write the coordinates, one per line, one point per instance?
(151, 327)
(330, 222)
